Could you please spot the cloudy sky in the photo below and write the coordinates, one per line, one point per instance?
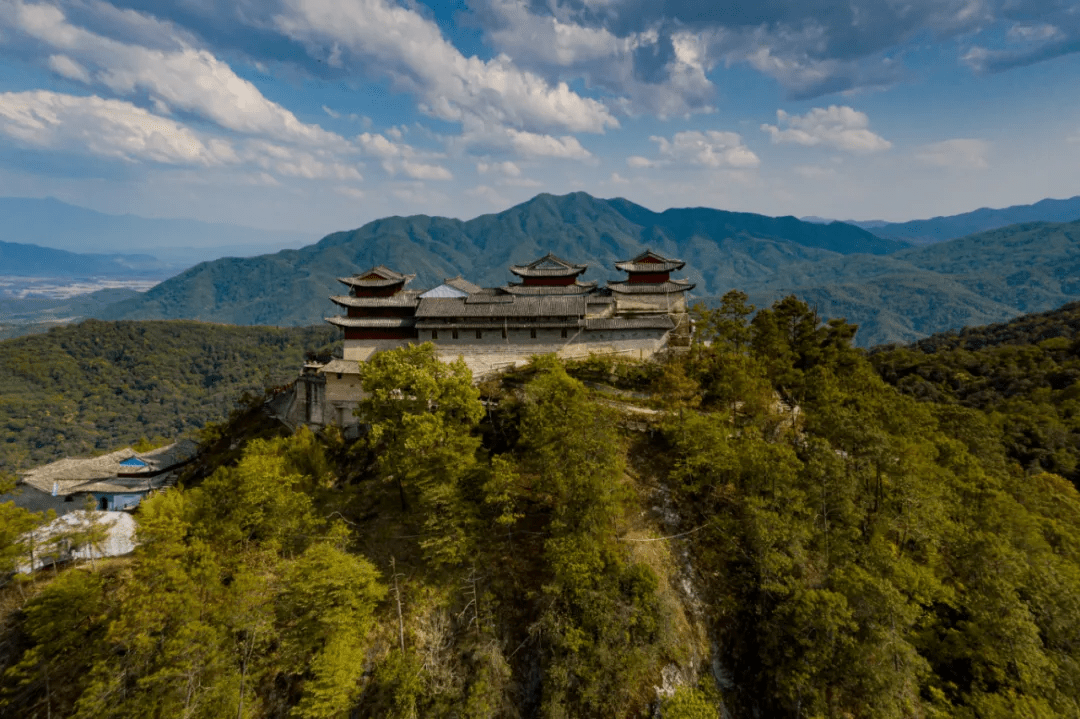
(324, 114)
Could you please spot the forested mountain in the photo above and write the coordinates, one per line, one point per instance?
(1024, 375)
(988, 277)
(722, 249)
(87, 388)
(893, 292)
(779, 533)
(937, 229)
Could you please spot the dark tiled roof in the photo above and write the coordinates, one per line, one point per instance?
(495, 324)
(649, 261)
(650, 288)
(488, 298)
(371, 322)
(657, 322)
(548, 266)
(401, 299)
(578, 288)
(559, 306)
(383, 277)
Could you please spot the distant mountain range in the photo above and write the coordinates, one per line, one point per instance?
(939, 229)
(49, 222)
(24, 260)
(722, 249)
(896, 290)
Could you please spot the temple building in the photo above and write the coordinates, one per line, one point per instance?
(549, 309)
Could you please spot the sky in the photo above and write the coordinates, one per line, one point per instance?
(321, 115)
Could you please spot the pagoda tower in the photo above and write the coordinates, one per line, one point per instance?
(378, 307)
(649, 286)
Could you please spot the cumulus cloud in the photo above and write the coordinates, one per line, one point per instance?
(963, 153)
(105, 128)
(521, 143)
(838, 126)
(450, 86)
(187, 78)
(399, 157)
(508, 169)
(712, 149)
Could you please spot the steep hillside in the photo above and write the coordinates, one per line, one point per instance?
(540, 548)
(85, 388)
(290, 287)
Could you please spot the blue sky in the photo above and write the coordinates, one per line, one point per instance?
(321, 115)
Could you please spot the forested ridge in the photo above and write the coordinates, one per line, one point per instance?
(93, 387)
(763, 523)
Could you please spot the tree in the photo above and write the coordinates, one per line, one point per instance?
(423, 414)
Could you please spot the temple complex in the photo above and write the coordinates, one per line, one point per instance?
(549, 309)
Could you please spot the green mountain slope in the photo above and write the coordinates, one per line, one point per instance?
(91, 387)
(290, 287)
(937, 229)
(988, 277)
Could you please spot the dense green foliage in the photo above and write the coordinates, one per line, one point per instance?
(1023, 376)
(789, 536)
(97, 386)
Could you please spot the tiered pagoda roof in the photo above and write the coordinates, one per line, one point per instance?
(377, 276)
(548, 266)
(649, 261)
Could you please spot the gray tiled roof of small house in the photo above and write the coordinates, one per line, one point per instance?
(408, 298)
(341, 366)
(548, 266)
(371, 322)
(650, 288)
(463, 284)
(559, 306)
(649, 261)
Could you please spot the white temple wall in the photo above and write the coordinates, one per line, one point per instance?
(361, 350)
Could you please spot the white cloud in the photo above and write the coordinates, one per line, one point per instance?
(296, 162)
(837, 126)
(618, 179)
(331, 113)
(350, 192)
(106, 128)
(813, 172)
(424, 171)
(508, 169)
(450, 86)
(187, 78)
(399, 157)
(483, 138)
(712, 148)
(639, 162)
(963, 153)
(66, 67)
(489, 195)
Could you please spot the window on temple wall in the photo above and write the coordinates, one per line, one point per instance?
(504, 333)
(479, 334)
(453, 334)
(564, 333)
(434, 334)
(532, 333)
